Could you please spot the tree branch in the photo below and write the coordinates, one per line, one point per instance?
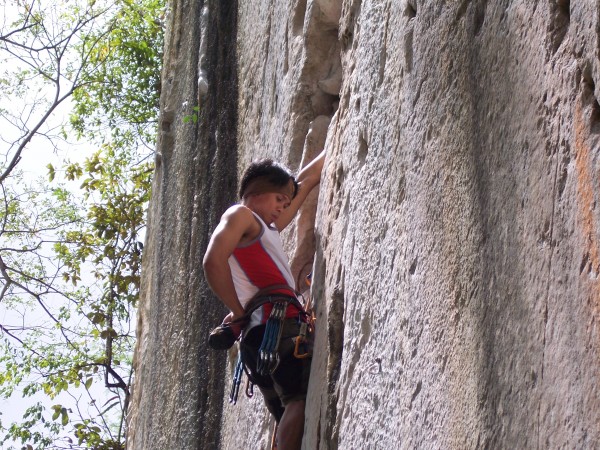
(58, 98)
(25, 346)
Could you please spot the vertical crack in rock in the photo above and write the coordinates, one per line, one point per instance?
(323, 72)
(590, 102)
(487, 245)
(322, 430)
(560, 18)
(286, 50)
(410, 9)
(290, 121)
(320, 75)
(549, 232)
(415, 393)
(350, 14)
(409, 44)
(479, 16)
(302, 260)
(299, 15)
(477, 10)
(363, 149)
(383, 50)
(410, 12)
(462, 9)
(335, 335)
(597, 32)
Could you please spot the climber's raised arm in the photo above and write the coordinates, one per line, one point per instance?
(308, 178)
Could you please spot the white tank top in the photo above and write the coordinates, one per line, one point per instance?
(260, 263)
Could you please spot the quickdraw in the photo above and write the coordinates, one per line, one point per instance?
(305, 327)
(268, 357)
(237, 380)
(249, 388)
(301, 340)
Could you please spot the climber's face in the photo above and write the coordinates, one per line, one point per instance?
(268, 205)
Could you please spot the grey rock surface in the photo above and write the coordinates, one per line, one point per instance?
(456, 257)
(179, 383)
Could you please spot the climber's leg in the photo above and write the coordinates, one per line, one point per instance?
(291, 383)
(291, 426)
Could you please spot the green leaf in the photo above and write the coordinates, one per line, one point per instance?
(57, 411)
(65, 417)
(51, 172)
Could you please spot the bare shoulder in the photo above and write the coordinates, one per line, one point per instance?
(238, 213)
(240, 221)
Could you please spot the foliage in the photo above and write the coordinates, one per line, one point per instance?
(126, 57)
(70, 250)
(192, 117)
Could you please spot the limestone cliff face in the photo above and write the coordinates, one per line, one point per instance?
(456, 259)
(178, 385)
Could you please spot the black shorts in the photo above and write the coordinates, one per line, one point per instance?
(289, 381)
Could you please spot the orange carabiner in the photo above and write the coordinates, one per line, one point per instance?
(297, 354)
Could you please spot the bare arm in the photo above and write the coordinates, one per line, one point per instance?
(308, 178)
(235, 223)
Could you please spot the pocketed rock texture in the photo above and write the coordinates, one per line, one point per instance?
(456, 241)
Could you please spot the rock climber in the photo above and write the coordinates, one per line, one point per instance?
(247, 269)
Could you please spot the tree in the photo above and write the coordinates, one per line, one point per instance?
(70, 257)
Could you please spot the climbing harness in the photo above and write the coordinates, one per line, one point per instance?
(268, 352)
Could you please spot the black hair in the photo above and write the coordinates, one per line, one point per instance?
(274, 172)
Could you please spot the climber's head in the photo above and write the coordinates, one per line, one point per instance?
(266, 176)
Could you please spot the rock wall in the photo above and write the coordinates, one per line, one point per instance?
(456, 257)
(178, 385)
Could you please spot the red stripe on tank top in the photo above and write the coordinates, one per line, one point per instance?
(262, 271)
(258, 266)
